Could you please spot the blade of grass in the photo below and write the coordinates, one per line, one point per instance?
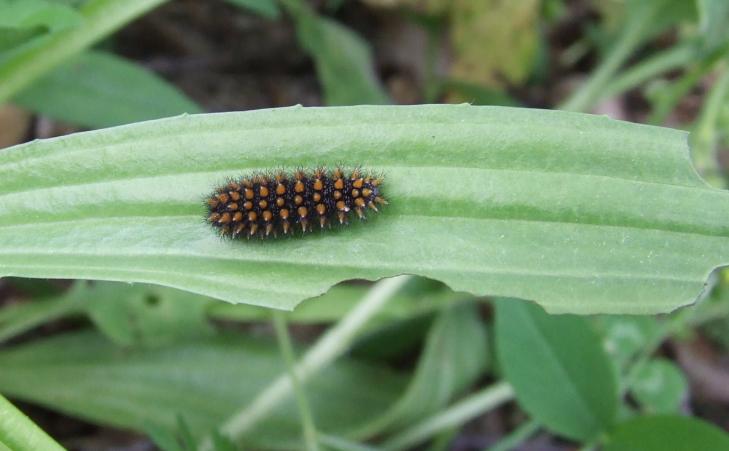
(332, 345)
(458, 414)
(19, 433)
(517, 436)
(287, 352)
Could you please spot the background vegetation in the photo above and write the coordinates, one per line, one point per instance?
(404, 363)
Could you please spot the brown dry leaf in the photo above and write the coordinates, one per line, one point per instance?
(14, 124)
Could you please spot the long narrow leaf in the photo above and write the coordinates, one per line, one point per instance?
(581, 213)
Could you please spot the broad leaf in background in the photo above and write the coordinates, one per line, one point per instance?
(19, 433)
(343, 60)
(582, 213)
(204, 381)
(667, 432)
(660, 387)
(265, 8)
(145, 315)
(98, 89)
(98, 18)
(455, 355)
(558, 368)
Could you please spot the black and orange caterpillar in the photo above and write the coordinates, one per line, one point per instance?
(268, 205)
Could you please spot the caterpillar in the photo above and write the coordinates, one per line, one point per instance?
(273, 204)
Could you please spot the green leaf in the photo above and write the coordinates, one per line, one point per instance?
(642, 21)
(660, 387)
(145, 315)
(667, 432)
(18, 318)
(713, 16)
(203, 381)
(265, 8)
(558, 368)
(12, 37)
(19, 433)
(30, 14)
(99, 19)
(343, 61)
(582, 213)
(421, 296)
(625, 336)
(98, 89)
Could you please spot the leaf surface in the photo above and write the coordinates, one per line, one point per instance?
(581, 213)
(99, 89)
(558, 368)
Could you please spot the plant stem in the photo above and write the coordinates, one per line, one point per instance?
(585, 98)
(666, 103)
(482, 401)
(334, 443)
(333, 344)
(669, 59)
(517, 436)
(100, 18)
(287, 352)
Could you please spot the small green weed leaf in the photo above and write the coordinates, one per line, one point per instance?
(265, 8)
(660, 387)
(19, 433)
(98, 89)
(455, 355)
(667, 432)
(203, 380)
(343, 60)
(558, 368)
(582, 213)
